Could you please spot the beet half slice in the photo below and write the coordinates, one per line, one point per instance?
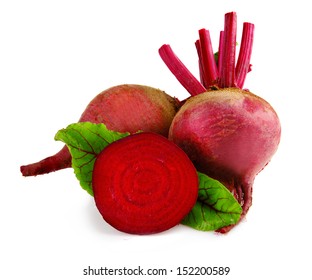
(144, 184)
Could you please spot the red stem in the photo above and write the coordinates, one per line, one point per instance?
(179, 70)
(243, 62)
(223, 73)
(208, 61)
(220, 55)
(200, 63)
(227, 74)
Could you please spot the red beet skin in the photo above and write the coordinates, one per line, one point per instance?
(123, 108)
(144, 184)
(230, 134)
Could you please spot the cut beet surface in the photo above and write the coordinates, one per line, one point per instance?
(144, 184)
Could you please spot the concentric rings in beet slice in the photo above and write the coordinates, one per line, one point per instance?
(144, 184)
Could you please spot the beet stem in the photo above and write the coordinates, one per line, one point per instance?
(243, 62)
(220, 54)
(200, 64)
(227, 74)
(208, 61)
(179, 70)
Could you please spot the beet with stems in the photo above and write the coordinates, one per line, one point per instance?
(144, 184)
(229, 133)
(123, 108)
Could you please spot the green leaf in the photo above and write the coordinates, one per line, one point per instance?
(85, 141)
(215, 208)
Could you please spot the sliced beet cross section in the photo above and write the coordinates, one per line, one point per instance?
(144, 184)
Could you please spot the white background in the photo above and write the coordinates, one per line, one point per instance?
(55, 56)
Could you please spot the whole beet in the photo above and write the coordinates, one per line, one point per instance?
(122, 108)
(230, 134)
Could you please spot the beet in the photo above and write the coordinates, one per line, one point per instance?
(123, 108)
(229, 133)
(144, 184)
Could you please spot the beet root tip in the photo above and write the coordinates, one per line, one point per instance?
(60, 160)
